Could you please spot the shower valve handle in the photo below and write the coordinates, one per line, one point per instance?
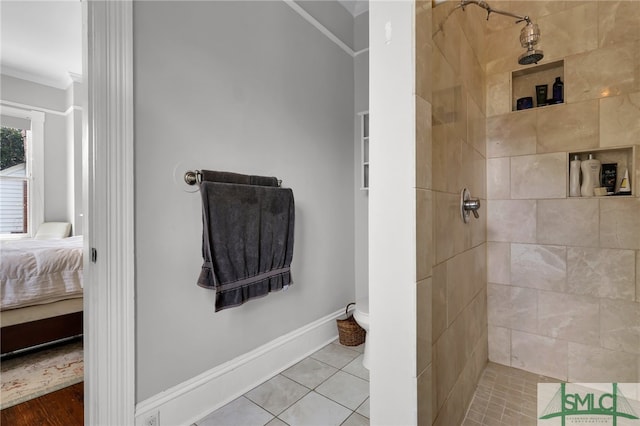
(473, 205)
(467, 205)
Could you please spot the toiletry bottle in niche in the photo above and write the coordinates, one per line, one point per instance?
(574, 177)
(558, 91)
(625, 187)
(609, 177)
(590, 176)
(541, 95)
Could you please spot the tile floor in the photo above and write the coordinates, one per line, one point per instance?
(331, 387)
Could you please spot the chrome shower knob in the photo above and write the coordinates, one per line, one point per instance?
(468, 205)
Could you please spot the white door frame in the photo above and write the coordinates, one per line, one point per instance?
(109, 321)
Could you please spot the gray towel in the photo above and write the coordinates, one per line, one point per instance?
(229, 177)
(247, 241)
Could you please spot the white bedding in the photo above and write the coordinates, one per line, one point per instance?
(34, 272)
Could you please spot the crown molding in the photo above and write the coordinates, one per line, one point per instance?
(313, 21)
(36, 78)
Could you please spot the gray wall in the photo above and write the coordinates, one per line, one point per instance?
(38, 96)
(361, 37)
(55, 169)
(29, 93)
(248, 87)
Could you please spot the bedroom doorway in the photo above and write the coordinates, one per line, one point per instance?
(40, 193)
(41, 181)
(104, 195)
(42, 78)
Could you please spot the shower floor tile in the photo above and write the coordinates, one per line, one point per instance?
(505, 396)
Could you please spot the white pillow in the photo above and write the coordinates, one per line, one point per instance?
(53, 231)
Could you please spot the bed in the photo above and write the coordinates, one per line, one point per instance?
(41, 291)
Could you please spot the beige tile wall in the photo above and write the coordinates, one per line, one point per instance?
(564, 273)
(563, 292)
(451, 123)
(425, 201)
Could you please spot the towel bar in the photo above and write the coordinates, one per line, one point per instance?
(192, 177)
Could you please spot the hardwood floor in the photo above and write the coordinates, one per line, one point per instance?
(64, 407)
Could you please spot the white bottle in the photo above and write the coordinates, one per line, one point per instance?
(574, 177)
(590, 176)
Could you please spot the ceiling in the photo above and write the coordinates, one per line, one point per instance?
(355, 7)
(41, 40)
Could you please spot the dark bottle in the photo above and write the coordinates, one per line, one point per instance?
(541, 94)
(558, 91)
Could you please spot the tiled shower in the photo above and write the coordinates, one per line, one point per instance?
(550, 281)
(562, 272)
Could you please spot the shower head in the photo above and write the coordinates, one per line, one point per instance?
(530, 57)
(529, 37)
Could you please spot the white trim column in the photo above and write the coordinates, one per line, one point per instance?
(109, 206)
(37, 172)
(392, 214)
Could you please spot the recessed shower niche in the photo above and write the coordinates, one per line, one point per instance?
(625, 160)
(524, 82)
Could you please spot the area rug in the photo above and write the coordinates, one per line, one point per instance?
(32, 375)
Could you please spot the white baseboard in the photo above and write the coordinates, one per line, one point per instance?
(193, 399)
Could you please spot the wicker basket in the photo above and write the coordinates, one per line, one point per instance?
(349, 332)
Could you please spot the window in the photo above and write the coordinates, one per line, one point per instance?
(14, 181)
(21, 172)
